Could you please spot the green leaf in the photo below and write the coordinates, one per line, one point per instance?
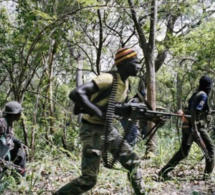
(88, 2)
(42, 15)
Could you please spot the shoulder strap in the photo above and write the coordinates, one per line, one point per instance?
(197, 95)
(200, 93)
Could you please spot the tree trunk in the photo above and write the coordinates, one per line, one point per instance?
(79, 81)
(148, 52)
(25, 135)
(79, 70)
(150, 73)
(50, 88)
(179, 92)
(34, 128)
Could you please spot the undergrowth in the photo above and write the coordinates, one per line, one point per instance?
(53, 167)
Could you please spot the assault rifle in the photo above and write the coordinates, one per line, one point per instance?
(200, 142)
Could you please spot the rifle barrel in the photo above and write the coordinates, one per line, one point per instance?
(166, 113)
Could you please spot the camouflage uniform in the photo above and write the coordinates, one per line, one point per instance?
(88, 96)
(90, 136)
(199, 101)
(15, 153)
(185, 149)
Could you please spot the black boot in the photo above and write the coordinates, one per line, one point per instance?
(135, 177)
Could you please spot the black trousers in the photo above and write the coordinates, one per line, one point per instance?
(185, 149)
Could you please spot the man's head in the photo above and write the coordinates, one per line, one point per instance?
(205, 84)
(126, 59)
(13, 109)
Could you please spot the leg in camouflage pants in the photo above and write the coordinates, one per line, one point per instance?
(90, 136)
(184, 151)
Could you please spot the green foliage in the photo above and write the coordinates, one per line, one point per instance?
(26, 42)
(54, 167)
(7, 182)
(200, 45)
(44, 15)
(88, 2)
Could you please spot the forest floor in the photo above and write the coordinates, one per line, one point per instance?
(54, 167)
(50, 175)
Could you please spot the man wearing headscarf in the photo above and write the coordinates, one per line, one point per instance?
(197, 125)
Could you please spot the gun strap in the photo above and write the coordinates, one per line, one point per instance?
(108, 126)
(204, 150)
(106, 92)
(147, 104)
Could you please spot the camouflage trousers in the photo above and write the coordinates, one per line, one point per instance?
(184, 149)
(91, 138)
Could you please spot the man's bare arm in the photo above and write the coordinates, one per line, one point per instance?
(80, 96)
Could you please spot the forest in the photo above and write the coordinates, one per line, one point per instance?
(50, 47)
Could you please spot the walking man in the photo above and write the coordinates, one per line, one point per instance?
(196, 129)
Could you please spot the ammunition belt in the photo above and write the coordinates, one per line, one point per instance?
(108, 126)
(127, 131)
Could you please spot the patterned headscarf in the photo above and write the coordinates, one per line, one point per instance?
(124, 54)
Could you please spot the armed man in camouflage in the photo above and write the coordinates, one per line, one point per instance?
(92, 127)
(11, 148)
(195, 129)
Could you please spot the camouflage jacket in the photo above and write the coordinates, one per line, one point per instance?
(7, 132)
(5, 129)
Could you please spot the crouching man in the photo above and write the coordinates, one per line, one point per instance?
(11, 148)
